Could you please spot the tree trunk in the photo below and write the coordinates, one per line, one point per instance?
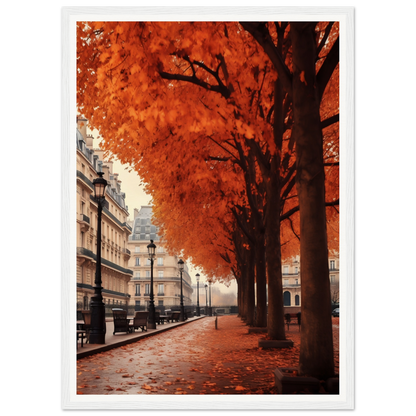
(261, 282)
(249, 289)
(275, 319)
(316, 351)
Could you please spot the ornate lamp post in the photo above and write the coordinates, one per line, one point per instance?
(197, 295)
(180, 265)
(151, 324)
(206, 300)
(98, 329)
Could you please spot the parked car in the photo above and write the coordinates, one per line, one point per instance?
(335, 312)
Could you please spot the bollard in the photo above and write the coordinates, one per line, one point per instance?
(216, 319)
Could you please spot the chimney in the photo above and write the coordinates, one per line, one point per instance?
(82, 127)
(89, 141)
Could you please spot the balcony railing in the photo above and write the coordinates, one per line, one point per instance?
(84, 218)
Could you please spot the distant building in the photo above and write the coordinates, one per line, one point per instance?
(291, 275)
(166, 275)
(115, 273)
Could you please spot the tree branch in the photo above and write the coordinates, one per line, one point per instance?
(289, 213)
(261, 34)
(327, 68)
(331, 120)
(325, 37)
(221, 88)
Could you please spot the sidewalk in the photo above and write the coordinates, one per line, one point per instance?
(120, 339)
(198, 357)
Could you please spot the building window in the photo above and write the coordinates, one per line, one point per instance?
(297, 300)
(296, 270)
(137, 290)
(160, 291)
(332, 264)
(147, 289)
(137, 305)
(332, 278)
(137, 261)
(285, 282)
(286, 298)
(137, 274)
(285, 269)
(147, 262)
(147, 273)
(296, 281)
(160, 303)
(160, 249)
(160, 273)
(160, 261)
(137, 249)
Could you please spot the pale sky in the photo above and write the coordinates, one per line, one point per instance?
(136, 197)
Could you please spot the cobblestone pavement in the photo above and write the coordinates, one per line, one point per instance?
(192, 359)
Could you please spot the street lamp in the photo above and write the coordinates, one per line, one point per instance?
(210, 306)
(180, 265)
(197, 295)
(206, 300)
(151, 324)
(98, 329)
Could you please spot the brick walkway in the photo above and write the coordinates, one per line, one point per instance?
(121, 339)
(194, 358)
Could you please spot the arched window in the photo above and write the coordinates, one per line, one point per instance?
(286, 298)
(297, 300)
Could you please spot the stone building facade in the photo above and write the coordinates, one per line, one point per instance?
(166, 275)
(291, 275)
(114, 229)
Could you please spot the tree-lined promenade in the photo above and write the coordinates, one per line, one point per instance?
(195, 358)
(234, 129)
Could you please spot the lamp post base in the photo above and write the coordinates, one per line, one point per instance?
(98, 326)
(151, 322)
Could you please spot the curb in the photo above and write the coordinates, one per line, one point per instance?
(141, 335)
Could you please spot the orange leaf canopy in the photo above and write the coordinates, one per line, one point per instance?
(177, 101)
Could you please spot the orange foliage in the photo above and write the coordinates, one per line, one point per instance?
(187, 105)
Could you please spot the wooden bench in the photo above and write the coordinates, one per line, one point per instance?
(175, 316)
(140, 320)
(292, 318)
(81, 334)
(121, 322)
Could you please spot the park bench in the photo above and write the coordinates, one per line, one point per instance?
(175, 316)
(81, 334)
(140, 320)
(121, 322)
(292, 318)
